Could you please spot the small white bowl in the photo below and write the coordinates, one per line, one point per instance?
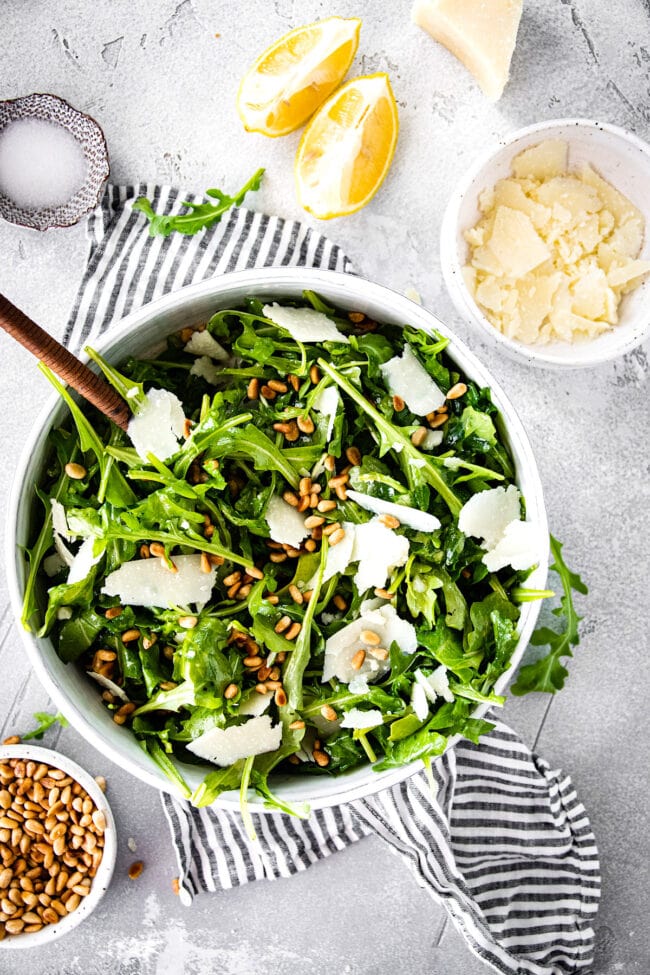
(622, 159)
(102, 878)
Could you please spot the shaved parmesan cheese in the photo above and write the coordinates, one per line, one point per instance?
(378, 551)
(424, 683)
(419, 701)
(64, 613)
(53, 564)
(326, 402)
(433, 438)
(358, 685)
(519, 547)
(202, 344)
(223, 746)
(421, 521)
(304, 324)
(59, 519)
(342, 646)
(148, 582)
(286, 525)
(108, 685)
(158, 426)
(63, 551)
(83, 561)
(256, 704)
(205, 368)
(407, 378)
(355, 718)
(487, 513)
(439, 681)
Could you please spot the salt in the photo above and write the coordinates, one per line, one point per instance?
(41, 163)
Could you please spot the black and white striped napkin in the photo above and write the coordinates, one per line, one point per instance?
(504, 844)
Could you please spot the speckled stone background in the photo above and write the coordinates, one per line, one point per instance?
(162, 85)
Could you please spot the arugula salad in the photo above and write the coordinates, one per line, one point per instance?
(307, 552)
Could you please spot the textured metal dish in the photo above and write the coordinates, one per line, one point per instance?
(90, 137)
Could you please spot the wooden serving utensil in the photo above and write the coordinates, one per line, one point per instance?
(63, 363)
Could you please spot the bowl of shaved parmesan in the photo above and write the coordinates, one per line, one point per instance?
(310, 564)
(544, 245)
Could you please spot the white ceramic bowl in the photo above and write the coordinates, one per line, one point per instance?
(104, 873)
(619, 157)
(147, 329)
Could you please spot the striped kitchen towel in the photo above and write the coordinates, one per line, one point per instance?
(504, 843)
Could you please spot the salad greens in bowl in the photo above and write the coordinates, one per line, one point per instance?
(310, 564)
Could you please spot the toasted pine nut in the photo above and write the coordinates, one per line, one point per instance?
(358, 658)
(384, 594)
(438, 421)
(130, 635)
(253, 389)
(310, 545)
(340, 603)
(418, 436)
(296, 595)
(282, 427)
(291, 498)
(321, 758)
(136, 869)
(254, 572)
(267, 392)
(457, 391)
(390, 521)
(339, 480)
(304, 503)
(253, 662)
(283, 624)
(292, 433)
(305, 424)
(205, 563)
(370, 638)
(232, 578)
(280, 697)
(328, 713)
(278, 557)
(261, 688)
(231, 691)
(296, 725)
(76, 471)
(353, 454)
(144, 552)
(157, 549)
(244, 591)
(187, 622)
(113, 612)
(398, 404)
(314, 374)
(329, 463)
(325, 506)
(12, 740)
(314, 521)
(341, 492)
(337, 536)
(293, 631)
(379, 652)
(277, 386)
(331, 528)
(272, 599)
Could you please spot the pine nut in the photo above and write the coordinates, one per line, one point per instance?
(310, 545)
(280, 697)
(418, 436)
(272, 599)
(130, 635)
(205, 563)
(331, 528)
(340, 603)
(135, 870)
(341, 492)
(253, 389)
(358, 659)
(291, 499)
(261, 688)
(325, 506)
(113, 612)
(295, 594)
(398, 404)
(144, 552)
(230, 692)
(293, 631)
(277, 386)
(76, 471)
(379, 652)
(390, 521)
(283, 624)
(314, 521)
(321, 758)
(187, 622)
(304, 486)
(278, 557)
(12, 740)
(328, 713)
(253, 662)
(384, 594)
(329, 463)
(314, 375)
(304, 502)
(438, 421)
(457, 391)
(101, 782)
(353, 455)
(370, 638)
(296, 725)
(339, 481)
(305, 424)
(337, 536)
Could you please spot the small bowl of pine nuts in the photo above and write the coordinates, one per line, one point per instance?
(57, 845)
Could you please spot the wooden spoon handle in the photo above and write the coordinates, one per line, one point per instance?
(63, 363)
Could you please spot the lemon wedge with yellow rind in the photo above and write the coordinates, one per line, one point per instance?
(347, 148)
(295, 75)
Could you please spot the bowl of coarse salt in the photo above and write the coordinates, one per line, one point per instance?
(53, 162)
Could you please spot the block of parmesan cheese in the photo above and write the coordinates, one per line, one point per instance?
(480, 33)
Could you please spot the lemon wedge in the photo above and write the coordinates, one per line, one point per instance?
(347, 148)
(295, 75)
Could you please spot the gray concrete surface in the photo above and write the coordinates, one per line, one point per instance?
(162, 85)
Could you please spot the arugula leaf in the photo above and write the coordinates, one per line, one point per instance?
(548, 674)
(201, 215)
(45, 722)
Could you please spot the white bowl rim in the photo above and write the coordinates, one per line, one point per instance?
(102, 878)
(263, 280)
(452, 269)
